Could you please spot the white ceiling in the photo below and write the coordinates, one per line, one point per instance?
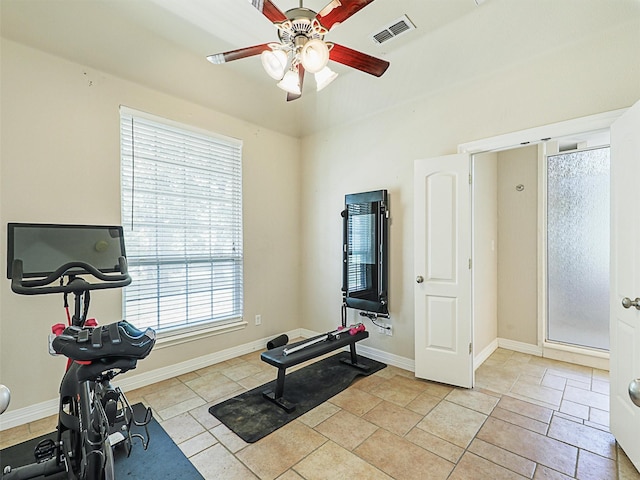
(163, 44)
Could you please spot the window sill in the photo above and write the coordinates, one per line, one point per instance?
(169, 339)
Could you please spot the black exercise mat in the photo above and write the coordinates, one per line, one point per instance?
(162, 460)
(253, 417)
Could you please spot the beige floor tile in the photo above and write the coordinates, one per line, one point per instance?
(531, 445)
(526, 409)
(242, 370)
(319, 414)
(332, 462)
(539, 393)
(423, 403)
(584, 437)
(169, 396)
(408, 461)
(453, 423)
(595, 467)
(574, 409)
(290, 475)
(216, 463)
(181, 407)
(471, 467)
(584, 397)
(356, 401)
(554, 381)
(182, 427)
(392, 417)
(520, 420)
(197, 444)
(396, 390)
(227, 438)
(478, 401)
(545, 473)
(435, 444)
(213, 387)
(510, 461)
(202, 415)
(346, 429)
(278, 452)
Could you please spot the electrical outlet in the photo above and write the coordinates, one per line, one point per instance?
(258, 319)
(389, 330)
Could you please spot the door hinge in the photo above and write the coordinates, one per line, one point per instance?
(469, 264)
(470, 179)
(470, 348)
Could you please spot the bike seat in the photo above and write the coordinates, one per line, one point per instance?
(119, 339)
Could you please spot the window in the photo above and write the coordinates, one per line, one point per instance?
(182, 219)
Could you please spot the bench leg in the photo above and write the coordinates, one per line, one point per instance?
(277, 397)
(353, 360)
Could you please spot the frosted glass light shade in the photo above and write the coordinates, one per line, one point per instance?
(324, 77)
(274, 63)
(290, 83)
(314, 55)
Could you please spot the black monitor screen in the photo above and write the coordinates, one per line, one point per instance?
(43, 248)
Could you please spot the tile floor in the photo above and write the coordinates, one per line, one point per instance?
(528, 417)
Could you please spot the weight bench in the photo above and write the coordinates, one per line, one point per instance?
(278, 359)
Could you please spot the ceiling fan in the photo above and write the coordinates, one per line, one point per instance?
(302, 47)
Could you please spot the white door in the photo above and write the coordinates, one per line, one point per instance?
(442, 249)
(625, 279)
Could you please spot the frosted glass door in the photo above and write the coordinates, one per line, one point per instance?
(578, 248)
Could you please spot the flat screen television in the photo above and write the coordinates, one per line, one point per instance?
(43, 248)
(365, 258)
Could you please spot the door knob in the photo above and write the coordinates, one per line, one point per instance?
(419, 279)
(634, 391)
(628, 303)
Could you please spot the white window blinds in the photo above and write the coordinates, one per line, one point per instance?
(182, 218)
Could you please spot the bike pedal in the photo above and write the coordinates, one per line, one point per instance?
(115, 438)
(45, 450)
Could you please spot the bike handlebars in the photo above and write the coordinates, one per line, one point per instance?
(42, 286)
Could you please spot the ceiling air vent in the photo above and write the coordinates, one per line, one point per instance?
(392, 30)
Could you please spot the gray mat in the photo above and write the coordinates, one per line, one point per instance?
(163, 460)
(252, 417)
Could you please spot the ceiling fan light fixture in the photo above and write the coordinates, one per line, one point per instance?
(314, 56)
(324, 77)
(274, 63)
(290, 83)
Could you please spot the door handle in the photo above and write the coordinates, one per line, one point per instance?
(420, 279)
(634, 391)
(628, 303)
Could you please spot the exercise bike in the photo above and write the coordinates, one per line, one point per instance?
(93, 416)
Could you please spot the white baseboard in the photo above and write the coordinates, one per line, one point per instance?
(520, 347)
(485, 353)
(31, 413)
(20, 416)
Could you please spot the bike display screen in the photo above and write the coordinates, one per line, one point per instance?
(43, 248)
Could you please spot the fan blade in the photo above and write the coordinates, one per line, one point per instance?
(338, 11)
(361, 61)
(295, 96)
(219, 58)
(269, 10)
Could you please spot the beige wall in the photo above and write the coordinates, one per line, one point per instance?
(518, 245)
(379, 151)
(60, 163)
(59, 124)
(485, 251)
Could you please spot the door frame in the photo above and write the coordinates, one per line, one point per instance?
(536, 136)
